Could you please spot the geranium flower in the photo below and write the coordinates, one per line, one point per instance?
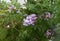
(29, 20)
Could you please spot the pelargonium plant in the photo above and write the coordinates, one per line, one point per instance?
(38, 21)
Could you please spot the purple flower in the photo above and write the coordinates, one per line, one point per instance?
(49, 32)
(29, 20)
(28, 17)
(33, 15)
(26, 21)
(46, 16)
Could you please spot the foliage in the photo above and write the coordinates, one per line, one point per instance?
(12, 15)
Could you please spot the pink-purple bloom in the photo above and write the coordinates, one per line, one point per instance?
(49, 33)
(46, 16)
(29, 20)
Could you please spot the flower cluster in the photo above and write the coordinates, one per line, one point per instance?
(46, 16)
(49, 33)
(29, 20)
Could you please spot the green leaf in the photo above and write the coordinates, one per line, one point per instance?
(3, 33)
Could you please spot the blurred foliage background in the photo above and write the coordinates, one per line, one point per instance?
(11, 23)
